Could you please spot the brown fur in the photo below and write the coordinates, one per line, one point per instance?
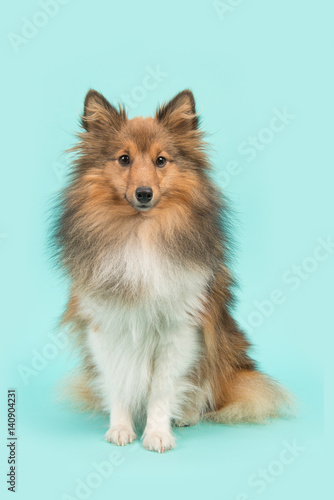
(252, 397)
(188, 223)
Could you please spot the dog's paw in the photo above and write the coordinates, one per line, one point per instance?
(120, 435)
(159, 441)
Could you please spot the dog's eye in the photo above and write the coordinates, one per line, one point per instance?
(160, 161)
(124, 160)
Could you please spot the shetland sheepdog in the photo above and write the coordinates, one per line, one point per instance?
(141, 233)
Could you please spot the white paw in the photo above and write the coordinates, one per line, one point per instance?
(120, 435)
(159, 441)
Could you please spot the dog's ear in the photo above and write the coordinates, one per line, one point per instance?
(99, 113)
(179, 113)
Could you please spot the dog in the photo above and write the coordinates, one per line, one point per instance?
(142, 234)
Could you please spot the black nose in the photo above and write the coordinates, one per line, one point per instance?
(144, 194)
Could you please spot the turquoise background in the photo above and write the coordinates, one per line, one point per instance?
(258, 57)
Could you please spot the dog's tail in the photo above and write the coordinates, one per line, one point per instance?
(77, 391)
(253, 397)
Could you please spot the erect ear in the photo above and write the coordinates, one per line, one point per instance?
(99, 113)
(179, 113)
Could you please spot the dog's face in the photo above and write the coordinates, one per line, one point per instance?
(142, 165)
(142, 160)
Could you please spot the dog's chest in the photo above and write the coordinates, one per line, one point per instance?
(149, 290)
(153, 307)
(124, 338)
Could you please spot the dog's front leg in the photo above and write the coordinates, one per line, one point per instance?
(173, 360)
(121, 430)
(121, 427)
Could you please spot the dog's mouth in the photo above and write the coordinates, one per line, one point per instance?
(141, 207)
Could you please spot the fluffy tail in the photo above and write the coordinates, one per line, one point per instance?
(253, 397)
(78, 392)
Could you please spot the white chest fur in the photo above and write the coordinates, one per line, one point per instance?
(155, 337)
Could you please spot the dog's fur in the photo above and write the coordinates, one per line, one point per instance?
(151, 293)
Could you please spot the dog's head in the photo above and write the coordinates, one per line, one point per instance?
(145, 162)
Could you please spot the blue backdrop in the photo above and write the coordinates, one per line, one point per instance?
(260, 71)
